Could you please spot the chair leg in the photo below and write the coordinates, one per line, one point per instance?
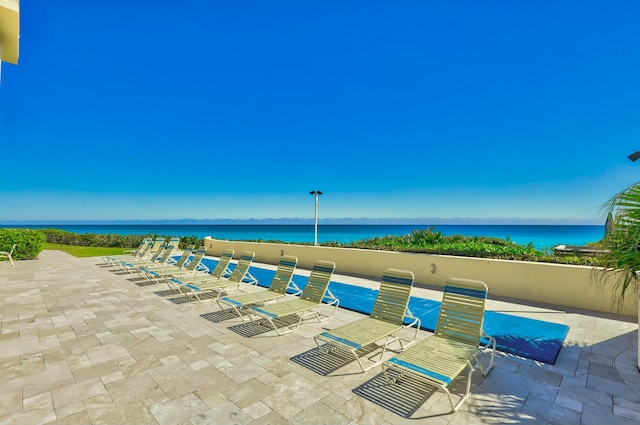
(466, 394)
(6, 254)
(492, 341)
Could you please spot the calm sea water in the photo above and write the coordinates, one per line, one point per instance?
(541, 236)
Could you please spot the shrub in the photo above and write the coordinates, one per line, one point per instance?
(434, 242)
(111, 240)
(92, 239)
(29, 242)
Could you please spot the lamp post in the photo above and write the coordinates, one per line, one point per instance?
(315, 229)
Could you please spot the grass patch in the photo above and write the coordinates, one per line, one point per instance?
(84, 251)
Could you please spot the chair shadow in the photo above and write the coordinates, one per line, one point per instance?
(143, 282)
(220, 316)
(183, 299)
(256, 328)
(167, 292)
(403, 398)
(325, 364)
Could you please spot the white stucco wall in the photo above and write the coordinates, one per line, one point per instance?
(558, 284)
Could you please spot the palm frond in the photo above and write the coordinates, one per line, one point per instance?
(622, 240)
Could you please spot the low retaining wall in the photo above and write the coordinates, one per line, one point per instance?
(558, 284)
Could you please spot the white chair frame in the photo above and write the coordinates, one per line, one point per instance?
(9, 254)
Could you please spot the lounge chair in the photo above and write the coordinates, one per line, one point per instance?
(315, 292)
(145, 241)
(161, 256)
(171, 264)
(139, 252)
(455, 344)
(281, 283)
(193, 266)
(9, 254)
(388, 316)
(150, 255)
(158, 257)
(240, 274)
(220, 271)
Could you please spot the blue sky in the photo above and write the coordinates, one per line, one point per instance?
(492, 111)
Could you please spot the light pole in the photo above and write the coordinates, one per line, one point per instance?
(315, 230)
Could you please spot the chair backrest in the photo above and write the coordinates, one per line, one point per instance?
(284, 273)
(145, 249)
(175, 241)
(161, 248)
(142, 247)
(242, 268)
(220, 268)
(318, 282)
(393, 298)
(197, 259)
(462, 311)
(184, 257)
(157, 243)
(166, 254)
(13, 248)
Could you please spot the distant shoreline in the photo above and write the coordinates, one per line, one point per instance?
(508, 221)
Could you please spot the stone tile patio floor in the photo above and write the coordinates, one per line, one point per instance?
(80, 344)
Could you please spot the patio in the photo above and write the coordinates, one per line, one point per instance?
(82, 344)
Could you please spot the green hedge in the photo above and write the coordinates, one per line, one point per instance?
(110, 240)
(430, 241)
(92, 239)
(434, 242)
(29, 242)
(425, 241)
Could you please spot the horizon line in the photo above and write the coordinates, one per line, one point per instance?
(424, 221)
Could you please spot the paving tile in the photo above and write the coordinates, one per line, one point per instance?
(271, 418)
(282, 406)
(37, 410)
(544, 391)
(257, 410)
(319, 411)
(508, 383)
(95, 371)
(569, 403)
(554, 413)
(99, 405)
(244, 372)
(614, 388)
(604, 372)
(57, 375)
(10, 402)
(136, 388)
(594, 416)
(248, 393)
(70, 409)
(178, 379)
(81, 391)
(627, 409)
(179, 409)
(132, 413)
(104, 353)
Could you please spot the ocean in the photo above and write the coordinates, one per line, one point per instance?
(541, 236)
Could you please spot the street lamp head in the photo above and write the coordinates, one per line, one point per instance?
(634, 156)
(315, 192)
